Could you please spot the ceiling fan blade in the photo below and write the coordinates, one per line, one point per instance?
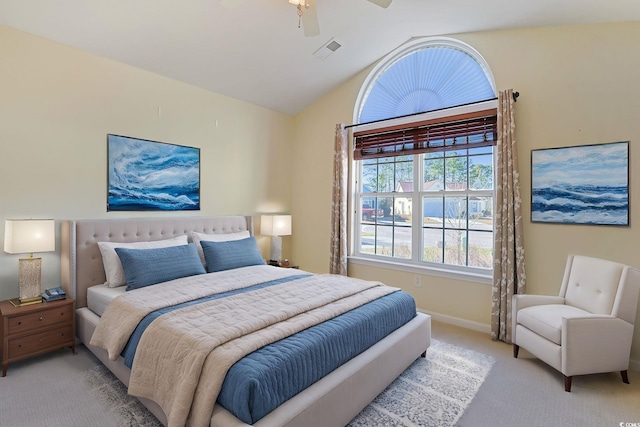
(310, 20)
(381, 3)
(229, 4)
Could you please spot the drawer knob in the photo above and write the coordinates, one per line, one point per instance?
(41, 339)
(40, 318)
(19, 323)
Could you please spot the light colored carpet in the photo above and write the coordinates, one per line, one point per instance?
(67, 390)
(50, 391)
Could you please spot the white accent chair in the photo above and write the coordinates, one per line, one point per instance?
(588, 328)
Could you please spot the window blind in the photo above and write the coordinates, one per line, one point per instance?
(469, 130)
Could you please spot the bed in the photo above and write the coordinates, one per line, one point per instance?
(332, 400)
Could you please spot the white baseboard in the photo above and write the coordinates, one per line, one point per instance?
(456, 321)
(634, 365)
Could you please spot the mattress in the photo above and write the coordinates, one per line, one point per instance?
(99, 296)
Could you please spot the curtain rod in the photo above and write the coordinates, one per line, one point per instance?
(515, 99)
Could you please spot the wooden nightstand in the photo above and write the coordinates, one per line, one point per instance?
(36, 329)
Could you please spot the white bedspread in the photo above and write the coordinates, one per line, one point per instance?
(184, 355)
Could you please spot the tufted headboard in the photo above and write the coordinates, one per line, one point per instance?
(81, 261)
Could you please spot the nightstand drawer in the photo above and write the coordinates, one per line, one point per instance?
(40, 319)
(53, 338)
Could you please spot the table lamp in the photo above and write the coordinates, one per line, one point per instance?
(275, 226)
(23, 236)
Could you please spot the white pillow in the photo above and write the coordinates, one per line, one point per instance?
(112, 266)
(226, 237)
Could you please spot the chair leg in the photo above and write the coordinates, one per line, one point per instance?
(625, 377)
(516, 348)
(567, 383)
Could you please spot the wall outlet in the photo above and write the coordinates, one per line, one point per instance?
(417, 281)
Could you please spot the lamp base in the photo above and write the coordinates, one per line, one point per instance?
(17, 302)
(275, 253)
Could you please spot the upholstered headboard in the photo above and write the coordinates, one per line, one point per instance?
(81, 261)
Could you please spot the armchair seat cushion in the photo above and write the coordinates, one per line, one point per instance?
(546, 320)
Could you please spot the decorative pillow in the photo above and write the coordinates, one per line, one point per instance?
(145, 267)
(226, 237)
(113, 267)
(233, 254)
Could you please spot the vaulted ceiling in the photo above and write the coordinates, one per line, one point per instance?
(255, 51)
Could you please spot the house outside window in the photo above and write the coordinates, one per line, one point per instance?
(424, 182)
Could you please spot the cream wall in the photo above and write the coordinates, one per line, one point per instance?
(578, 85)
(57, 105)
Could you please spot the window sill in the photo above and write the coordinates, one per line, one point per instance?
(476, 276)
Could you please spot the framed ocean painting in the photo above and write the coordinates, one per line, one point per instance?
(151, 176)
(586, 184)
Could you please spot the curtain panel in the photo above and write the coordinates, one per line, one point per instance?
(508, 246)
(338, 258)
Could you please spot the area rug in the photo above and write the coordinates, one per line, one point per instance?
(433, 391)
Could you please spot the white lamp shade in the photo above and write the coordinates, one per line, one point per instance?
(23, 236)
(275, 225)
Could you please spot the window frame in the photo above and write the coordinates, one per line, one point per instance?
(413, 265)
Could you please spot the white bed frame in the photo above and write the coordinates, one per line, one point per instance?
(332, 401)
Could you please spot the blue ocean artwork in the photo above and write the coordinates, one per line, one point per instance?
(152, 176)
(581, 185)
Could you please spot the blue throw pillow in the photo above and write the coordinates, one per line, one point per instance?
(233, 254)
(144, 267)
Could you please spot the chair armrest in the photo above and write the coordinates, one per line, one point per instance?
(595, 343)
(521, 301)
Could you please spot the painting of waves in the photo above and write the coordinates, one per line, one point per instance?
(581, 185)
(152, 176)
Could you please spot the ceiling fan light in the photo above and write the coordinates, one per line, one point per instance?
(296, 2)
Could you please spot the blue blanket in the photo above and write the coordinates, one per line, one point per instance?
(266, 378)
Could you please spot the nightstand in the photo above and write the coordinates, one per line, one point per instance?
(36, 329)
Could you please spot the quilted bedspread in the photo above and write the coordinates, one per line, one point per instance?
(184, 355)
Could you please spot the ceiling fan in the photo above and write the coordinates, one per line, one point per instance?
(307, 13)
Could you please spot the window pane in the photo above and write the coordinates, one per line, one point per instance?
(481, 150)
(432, 244)
(481, 249)
(385, 210)
(432, 211)
(404, 174)
(367, 239)
(369, 178)
(430, 78)
(402, 240)
(481, 172)
(481, 213)
(456, 173)
(384, 240)
(455, 247)
(403, 210)
(433, 174)
(369, 209)
(455, 209)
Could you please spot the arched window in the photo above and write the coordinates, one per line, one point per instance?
(424, 190)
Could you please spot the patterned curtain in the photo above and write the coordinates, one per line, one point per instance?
(508, 245)
(339, 203)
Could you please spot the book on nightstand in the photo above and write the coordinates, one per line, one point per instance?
(54, 294)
